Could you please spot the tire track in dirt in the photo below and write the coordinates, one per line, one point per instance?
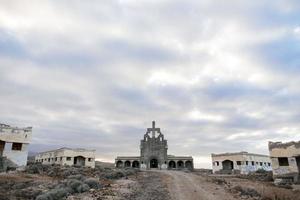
(187, 186)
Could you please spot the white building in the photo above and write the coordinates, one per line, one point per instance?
(240, 162)
(67, 156)
(14, 144)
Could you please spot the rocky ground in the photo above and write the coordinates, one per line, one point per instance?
(55, 183)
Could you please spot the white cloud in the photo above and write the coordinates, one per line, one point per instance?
(104, 70)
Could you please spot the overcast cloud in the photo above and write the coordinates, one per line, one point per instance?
(217, 76)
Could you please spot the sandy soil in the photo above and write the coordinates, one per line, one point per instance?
(188, 186)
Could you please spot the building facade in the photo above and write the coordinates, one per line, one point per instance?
(285, 161)
(67, 156)
(154, 154)
(240, 162)
(14, 144)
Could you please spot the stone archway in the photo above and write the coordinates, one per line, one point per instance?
(119, 164)
(154, 163)
(172, 164)
(189, 164)
(127, 163)
(135, 164)
(180, 164)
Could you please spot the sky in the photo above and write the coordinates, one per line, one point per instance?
(216, 76)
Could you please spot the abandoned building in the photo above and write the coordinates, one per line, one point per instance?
(240, 162)
(285, 159)
(154, 154)
(67, 156)
(14, 144)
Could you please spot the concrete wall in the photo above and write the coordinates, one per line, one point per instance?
(154, 148)
(19, 158)
(246, 162)
(291, 151)
(12, 135)
(61, 157)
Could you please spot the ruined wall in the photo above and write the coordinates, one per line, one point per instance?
(18, 157)
(154, 148)
(291, 151)
(242, 162)
(10, 135)
(60, 157)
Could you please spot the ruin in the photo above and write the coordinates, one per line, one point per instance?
(154, 154)
(285, 159)
(240, 163)
(14, 144)
(67, 156)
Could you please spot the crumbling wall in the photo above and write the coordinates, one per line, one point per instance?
(288, 151)
(243, 162)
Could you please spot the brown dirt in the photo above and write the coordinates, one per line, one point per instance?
(188, 186)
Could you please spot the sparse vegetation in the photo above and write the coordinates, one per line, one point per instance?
(56, 182)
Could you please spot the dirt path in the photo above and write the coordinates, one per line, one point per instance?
(188, 186)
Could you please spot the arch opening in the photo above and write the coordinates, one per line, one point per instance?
(189, 164)
(119, 164)
(180, 164)
(79, 161)
(135, 164)
(227, 165)
(127, 163)
(153, 163)
(172, 164)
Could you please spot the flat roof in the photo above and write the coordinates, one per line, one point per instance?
(66, 148)
(238, 153)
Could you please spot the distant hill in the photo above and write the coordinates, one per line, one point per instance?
(104, 164)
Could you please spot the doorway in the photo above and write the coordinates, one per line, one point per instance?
(153, 163)
(79, 161)
(2, 145)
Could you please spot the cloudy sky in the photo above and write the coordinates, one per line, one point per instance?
(217, 76)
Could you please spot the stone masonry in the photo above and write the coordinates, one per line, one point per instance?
(154, 154)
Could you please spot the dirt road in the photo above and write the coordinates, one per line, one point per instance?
(188, 186)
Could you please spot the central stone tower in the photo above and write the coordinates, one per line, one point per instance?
(154, 149)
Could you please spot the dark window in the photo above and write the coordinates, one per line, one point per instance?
(239, 162)
(253, 163)
(246, 162)
(16, 146)
(283, 161)
(68, 158)
(269, 164)
(56, 159)
(90, 159)
(48, 159)
(260, 163)
(61, 158)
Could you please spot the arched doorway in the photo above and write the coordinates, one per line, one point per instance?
(172, 165)
(127, 163)
(180, 164)
(227, 165)
(119, 164)
(189, 164)
(135, 164)
(79, 161)
(153, 163)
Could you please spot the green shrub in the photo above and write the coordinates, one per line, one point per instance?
(92, 183)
